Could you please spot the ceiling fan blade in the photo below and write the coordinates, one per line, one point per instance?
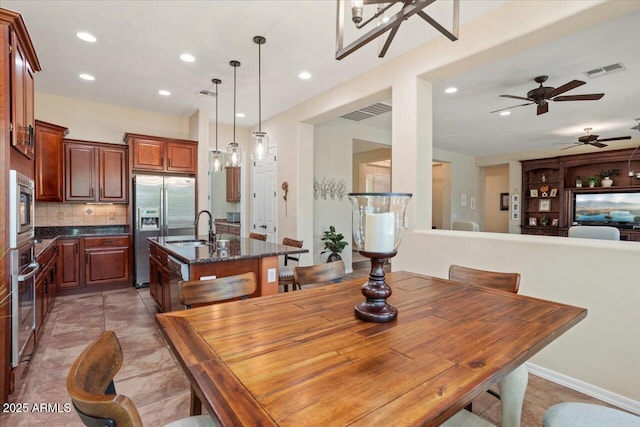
(543, 108)
(597, 144)
(515, 97)
(508, 108)
(619, 138)
(587, 97)
(588, 138)
(571, 146)
(565, 87)
(636, 127)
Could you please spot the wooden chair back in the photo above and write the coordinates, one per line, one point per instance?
(258, 236)
(296, 244)
(508, 282)
(90, 384)
(318, 273)
(201, 292)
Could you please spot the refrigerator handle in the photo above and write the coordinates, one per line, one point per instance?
(165, 206)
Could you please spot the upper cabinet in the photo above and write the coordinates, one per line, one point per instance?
(95, 172)
(159, 154)
(49, 175)
(233, 183)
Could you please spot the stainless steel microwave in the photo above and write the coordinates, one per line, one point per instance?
(21, 209)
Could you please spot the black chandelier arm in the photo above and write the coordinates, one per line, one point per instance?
(387, 43)
(453, 36)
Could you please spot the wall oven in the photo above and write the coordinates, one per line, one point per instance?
(23, 302)
(21, 209)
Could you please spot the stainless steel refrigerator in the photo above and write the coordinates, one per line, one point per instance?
(162, 206)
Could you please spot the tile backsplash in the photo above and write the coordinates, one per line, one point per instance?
(63, 214)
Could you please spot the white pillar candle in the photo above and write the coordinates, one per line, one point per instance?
(379, 230)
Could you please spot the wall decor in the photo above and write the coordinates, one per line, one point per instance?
(533, 221)
(533, 192)
(316, 188)
(515, 197)
(544, 205)
(325, 188)
(554, 222)
(554, 192)
(341, 189)
(504, 201)
(515, 215)
(285, 188)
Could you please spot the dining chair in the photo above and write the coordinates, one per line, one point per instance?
(600, 232)
(93, 394)
(258, 236)
(579, 414)
(465, 226)
(285, 272)
(202, 292)
(508, 282)
(321, 273)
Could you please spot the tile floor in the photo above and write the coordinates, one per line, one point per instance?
(150, 376)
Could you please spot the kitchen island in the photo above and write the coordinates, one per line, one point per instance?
(175, 258)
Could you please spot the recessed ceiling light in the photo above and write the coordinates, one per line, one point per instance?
(164, 92)
(240, 114)
(86, 37)
(187, 57)
(505, 113)
(85, 76)
(451, 90)
(304, 75)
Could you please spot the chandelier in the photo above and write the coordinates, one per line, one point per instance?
(260, 139)
(381, 22)
(233, 148)
(217, 154)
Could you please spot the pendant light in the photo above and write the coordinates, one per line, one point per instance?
(260, 140)
(217, 154)
(233, 149)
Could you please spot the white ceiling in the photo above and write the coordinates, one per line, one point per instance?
(139, 43)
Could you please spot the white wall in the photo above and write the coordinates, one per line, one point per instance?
(96, 122)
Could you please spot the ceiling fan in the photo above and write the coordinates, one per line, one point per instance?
(590, 139)
(543, 94)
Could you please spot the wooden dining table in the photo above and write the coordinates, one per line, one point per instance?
(302, 358)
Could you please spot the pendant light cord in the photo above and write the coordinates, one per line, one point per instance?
(259, 90)
(216, 116)
(234, 103)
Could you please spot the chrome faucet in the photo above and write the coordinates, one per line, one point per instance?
(212, 235)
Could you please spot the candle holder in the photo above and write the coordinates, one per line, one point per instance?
(378, 219)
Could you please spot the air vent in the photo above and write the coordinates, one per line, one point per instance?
(367, 112)
(207, 92)
(598, 72)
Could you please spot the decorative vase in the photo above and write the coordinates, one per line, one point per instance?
(378, 219)
(592, 183)
(606, 181)
(334, 256)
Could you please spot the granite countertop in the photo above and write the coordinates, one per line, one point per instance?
(238, 248)
(46, 236)
(231, 224)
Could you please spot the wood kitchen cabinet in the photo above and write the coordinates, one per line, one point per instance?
(159, 154)
(233, 183)
(69, 263)
(160, 279)
(49, 162)
(95, 172)
(46, 285)
(106, 260)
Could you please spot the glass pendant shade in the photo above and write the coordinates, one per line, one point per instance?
(233, 154)
(260, 145)
(216, 161)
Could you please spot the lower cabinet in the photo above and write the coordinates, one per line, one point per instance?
(46, 285)
(161, 280)
(69, 263)
(106, 260)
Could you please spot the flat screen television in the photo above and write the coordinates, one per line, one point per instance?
(607, 208)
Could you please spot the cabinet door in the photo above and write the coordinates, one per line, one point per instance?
(68, 263)
(182, 157)
(49, 162)
(106, 265)
(153, 279)
(233, 184)
(80, 173)
(22, 137)
(113, 175)
(148, 155)
(40, 301)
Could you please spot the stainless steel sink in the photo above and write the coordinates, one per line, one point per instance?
(189, 243)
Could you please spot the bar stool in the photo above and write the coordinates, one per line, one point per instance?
(285, 273)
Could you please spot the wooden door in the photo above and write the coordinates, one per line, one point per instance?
(22, 137)
(113, 174)
(233, 183)
(265, 197)
(148, 154)
(80, 173)
(68, 263)
(49, 162)
(182, 157)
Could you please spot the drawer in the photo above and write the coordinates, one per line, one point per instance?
(109, 241)
(158, 253)
(46, 256)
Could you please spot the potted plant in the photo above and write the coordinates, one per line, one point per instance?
(334, 243)
(593, 181)
(605, 176)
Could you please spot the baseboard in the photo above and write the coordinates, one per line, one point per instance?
(588, 389)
